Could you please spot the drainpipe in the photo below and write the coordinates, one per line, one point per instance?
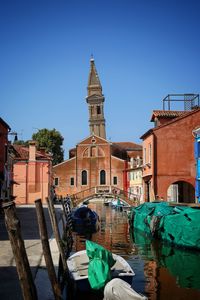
(154, 169)
(110, 167)
(196, 135)
(42, 183)
(26, 193)
(76, 169)
(125, 178)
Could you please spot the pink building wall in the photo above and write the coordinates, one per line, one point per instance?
(33, 178)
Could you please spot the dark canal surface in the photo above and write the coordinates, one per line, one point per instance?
(162, 272)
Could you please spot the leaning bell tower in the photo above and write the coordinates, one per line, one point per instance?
(95, 100)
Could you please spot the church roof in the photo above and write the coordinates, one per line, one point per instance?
(128, 146)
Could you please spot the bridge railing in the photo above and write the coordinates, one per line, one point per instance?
(105, 191)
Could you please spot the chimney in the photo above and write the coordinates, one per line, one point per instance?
(43, 151)
(32, 151)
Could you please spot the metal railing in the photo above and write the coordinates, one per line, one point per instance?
(190, 101)
(105, 191)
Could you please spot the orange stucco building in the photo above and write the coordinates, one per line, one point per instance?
(32, 174)
(168, 156)
(95, 162)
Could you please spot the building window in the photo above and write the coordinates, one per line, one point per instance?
(72, 181)
(144, 156)
(84, 177)
(149, 153)
(98, 110)
(115, 180)
(56, 181)
(102, 177)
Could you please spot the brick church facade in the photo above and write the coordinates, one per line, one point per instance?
(95, 162)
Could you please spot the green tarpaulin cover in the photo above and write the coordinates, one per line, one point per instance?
(146, 215)
(177, 225)
(100, 263)
(182, 228)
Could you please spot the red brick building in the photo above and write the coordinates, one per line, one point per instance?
(95, 162)
(168, 156)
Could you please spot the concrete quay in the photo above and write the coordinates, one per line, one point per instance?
(9, 283)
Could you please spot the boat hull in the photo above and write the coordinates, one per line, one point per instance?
(78, 269)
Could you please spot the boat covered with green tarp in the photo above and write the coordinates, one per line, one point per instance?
(177, 225)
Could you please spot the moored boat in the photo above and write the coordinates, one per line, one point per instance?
(84, 278)
(84, 216)
(177, 225)
(118, 289)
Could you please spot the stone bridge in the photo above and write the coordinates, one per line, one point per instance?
(103, 192)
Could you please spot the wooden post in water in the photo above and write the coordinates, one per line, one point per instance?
(22, 264)
(57, 233)
(46, 250)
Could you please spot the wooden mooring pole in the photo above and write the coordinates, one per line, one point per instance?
(46, 250)
(22, 264)
(57, 234)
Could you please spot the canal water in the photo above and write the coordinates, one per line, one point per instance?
(161, 272)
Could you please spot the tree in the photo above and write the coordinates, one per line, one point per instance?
(52, 140)
(21, 142)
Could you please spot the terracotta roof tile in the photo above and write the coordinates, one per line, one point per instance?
(135, 153)
(128, 145)
(167, 114)
(23, 153)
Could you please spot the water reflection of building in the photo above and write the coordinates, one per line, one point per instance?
(170, 273)
(113, 233)
(150, 272)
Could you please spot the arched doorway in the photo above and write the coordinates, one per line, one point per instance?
(181, 192)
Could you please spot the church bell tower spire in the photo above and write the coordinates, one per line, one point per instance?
(95, 100)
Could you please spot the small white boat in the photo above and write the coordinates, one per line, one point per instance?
(117, 289)
(78, 270)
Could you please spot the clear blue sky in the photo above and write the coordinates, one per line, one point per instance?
(143, 50)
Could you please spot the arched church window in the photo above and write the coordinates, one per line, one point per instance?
(84, 177)
(102, 177)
